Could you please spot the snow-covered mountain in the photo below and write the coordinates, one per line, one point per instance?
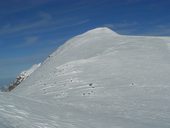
(23, 76)
(97, 79)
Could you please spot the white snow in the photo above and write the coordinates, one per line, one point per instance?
(95, 80)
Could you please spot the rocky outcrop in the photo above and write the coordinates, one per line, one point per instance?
(23, 76)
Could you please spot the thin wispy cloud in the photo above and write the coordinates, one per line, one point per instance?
(17, 6)
(123, 28)
(28, 41)
(44, 19)
(153, 29)
(36, 28)
(159, 30)
(44, 22)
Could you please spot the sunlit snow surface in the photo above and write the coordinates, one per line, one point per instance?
(96, 80)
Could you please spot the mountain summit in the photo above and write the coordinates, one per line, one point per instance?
(101, 30)
(96, 79)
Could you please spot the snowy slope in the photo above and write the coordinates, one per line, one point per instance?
(23, 76)
(95, 80)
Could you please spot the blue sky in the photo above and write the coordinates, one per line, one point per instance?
(30, 30)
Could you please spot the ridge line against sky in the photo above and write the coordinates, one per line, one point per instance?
(33, 29)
